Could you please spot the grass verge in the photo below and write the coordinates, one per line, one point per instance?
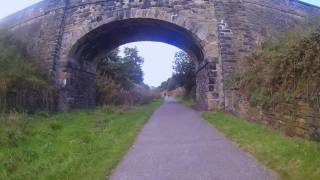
(291, 158)
(186, 101)
(74, 145)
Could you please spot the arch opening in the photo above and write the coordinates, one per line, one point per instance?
(79, 91)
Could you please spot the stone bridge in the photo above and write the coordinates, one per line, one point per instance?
(67, 36)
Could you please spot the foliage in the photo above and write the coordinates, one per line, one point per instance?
(283, 69)
(17, 72)
(13, 130)
(73, 145)
(22, 83)
(169, 85)
(184, 75)
(110, 93)
(120, 80)
(125, 71)
(185, 70)
(291, 158)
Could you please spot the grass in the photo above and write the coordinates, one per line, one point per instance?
(291, 158)
(74, 145)
(189, 102)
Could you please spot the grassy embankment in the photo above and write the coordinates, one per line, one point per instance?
(74, 145)
(291, 158)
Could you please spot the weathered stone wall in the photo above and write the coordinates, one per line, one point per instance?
(297, 118)
(38, 27)
(272, 18)
(234, 40)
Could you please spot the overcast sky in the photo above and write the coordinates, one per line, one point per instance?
(158, 56)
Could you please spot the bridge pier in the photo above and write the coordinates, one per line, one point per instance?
(208, 86)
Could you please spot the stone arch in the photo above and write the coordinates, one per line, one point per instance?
(226, 30)
(78, 70)
(114, 34)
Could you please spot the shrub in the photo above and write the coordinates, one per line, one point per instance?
(23, 86)
(283, 70)
(110, 93)
(119, 80)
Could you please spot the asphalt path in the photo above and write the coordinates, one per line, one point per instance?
(177, 144)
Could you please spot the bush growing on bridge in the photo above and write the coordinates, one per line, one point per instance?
(22, 85)
(283, 70)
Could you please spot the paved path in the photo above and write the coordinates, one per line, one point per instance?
(176, 144)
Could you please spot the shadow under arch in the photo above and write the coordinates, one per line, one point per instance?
(79, 91)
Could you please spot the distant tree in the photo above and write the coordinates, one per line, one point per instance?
(184, 71)
(172, 84)
(183, 76)
(164, 85)
(125, 71)
(109, 64)
(120, 79)
(132, 66)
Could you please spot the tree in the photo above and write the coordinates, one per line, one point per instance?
(120, 79)
(183, 76)
(125, 71)
(109, 64)
(184, 68)
(132, 66)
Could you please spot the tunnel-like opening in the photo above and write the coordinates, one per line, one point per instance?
(79, 91)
